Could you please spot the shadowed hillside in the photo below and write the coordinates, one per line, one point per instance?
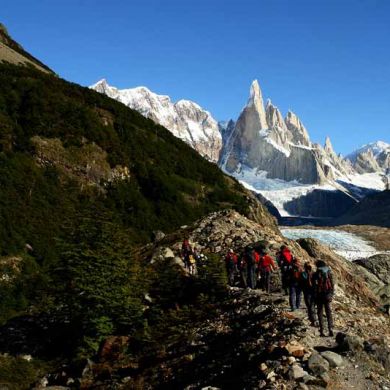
(372, 210)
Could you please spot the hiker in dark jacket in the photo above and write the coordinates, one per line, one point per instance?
(284, 259)
(324, 291)
(231, 266)
(243, 269)
(308, 291)
(295, 284)
(251, 258)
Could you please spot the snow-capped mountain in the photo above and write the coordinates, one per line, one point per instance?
(270, 154)
(274, 156)
(263, 141)
(373, 157)
(185, 119)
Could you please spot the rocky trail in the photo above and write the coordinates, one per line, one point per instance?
(248, 339)
(255, 342)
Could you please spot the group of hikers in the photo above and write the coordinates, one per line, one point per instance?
(254, 268)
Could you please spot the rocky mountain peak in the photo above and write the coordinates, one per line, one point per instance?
(101, 86)
(185, 119)
(298, 130)
(256, 103)
(328, 146)
(274, 116)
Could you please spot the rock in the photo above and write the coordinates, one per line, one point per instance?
(317, 364)
(57, 388)
(309, 379)
(325, 378)
(377, 275)
(28, 358)
(158, 235)
(380, 350)
(302, 386)
(167, 253)
(263, 367)
(177, 260)
(334, 359)
(349, 343)
(296, 350)
(296, 372)
(291, 360)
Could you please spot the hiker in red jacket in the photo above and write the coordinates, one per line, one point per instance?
(266, 266)
(231, 266)
(284, 258)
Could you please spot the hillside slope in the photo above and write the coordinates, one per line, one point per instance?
(372, 210)
(73, 137)
(13, 52)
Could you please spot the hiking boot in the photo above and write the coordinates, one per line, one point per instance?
(322, 334)
(331, 334)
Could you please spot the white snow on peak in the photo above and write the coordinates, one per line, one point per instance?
(278, 191)
(185, 119)
(255, 89)
(376, 147)
(277, 146)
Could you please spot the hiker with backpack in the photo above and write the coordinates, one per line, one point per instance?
(284, 259)
(243, 268)
(309, 291)
(251, 258)
(266, 267)
(186, 252)
(231, 266)
(295, 284)
(324, 291)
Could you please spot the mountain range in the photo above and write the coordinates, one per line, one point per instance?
(185, 119)
(96, 201)
(270, 154)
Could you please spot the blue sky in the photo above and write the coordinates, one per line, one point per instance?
(328, 61)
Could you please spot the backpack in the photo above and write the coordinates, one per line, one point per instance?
(324, 283)
(285, 258)
(250, 258)
(307, 279)
(230, 261)
(296, 273)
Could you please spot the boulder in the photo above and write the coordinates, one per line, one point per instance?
(167, 253)
(296, 372)
(334, 359)
(349, 343)
(158, 235)
(296, 350)
(317, 364)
